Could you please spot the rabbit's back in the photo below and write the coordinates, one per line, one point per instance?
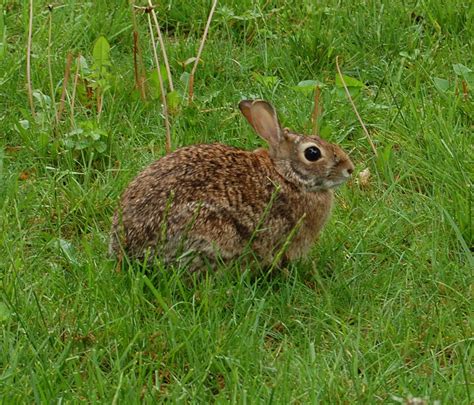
(202, 198)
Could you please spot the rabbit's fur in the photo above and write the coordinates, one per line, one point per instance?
(216, 201)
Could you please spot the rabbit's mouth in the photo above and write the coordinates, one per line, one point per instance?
(326, 184)
(333, 183)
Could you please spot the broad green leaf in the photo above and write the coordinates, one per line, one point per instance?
(155, 81)
(441, 84)
(211, 96)
(100, 147)
(188, 61)
(68, 250)
(313, 83)
(103, 133)
(465, 72)
(101, 54)
(83, 65)
(307, 86)
(85, 126)
(94, 135)
(267, 81)
(173, 98)
(461, 70)
(350, 81)
(411, 57)
(69, 143)
(185, 78)
(82, 143)
(353, 91)
(24, 124)
(74, 132)
(43, 99)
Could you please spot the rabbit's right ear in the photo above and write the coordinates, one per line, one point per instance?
(263, 118)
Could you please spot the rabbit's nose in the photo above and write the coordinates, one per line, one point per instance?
(348, 171)
(349, 168)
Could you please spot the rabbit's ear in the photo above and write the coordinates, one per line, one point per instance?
(263, 118)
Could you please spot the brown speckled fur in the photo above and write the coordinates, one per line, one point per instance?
(209, 199)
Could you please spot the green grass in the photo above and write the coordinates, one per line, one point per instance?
(382, 309)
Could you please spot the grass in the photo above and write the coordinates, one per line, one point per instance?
(382, 309)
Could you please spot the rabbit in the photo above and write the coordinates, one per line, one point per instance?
(211, 203)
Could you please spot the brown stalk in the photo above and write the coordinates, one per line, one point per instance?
(139, 77)
(135, 51)
(28, 61)
(201, 47)
(67, 72)
(162, 88)
(100, 101)
(74, 87)
(162, 45)
(137, 57)
(465, 90)
(348, 94)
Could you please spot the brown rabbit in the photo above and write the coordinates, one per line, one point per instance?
(216, 202)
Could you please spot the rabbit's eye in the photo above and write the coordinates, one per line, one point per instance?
(312, 153)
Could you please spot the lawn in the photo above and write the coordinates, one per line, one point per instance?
(380, 312)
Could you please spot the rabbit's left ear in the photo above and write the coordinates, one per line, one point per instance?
(263, 118)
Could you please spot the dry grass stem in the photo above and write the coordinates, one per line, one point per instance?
(162, 45)
(465, 90)
(138, 66)
(74, 86)
(100, 101)
(139, 69)
(67, 72)
(348, 94)
(162, 88)
(201, 47)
